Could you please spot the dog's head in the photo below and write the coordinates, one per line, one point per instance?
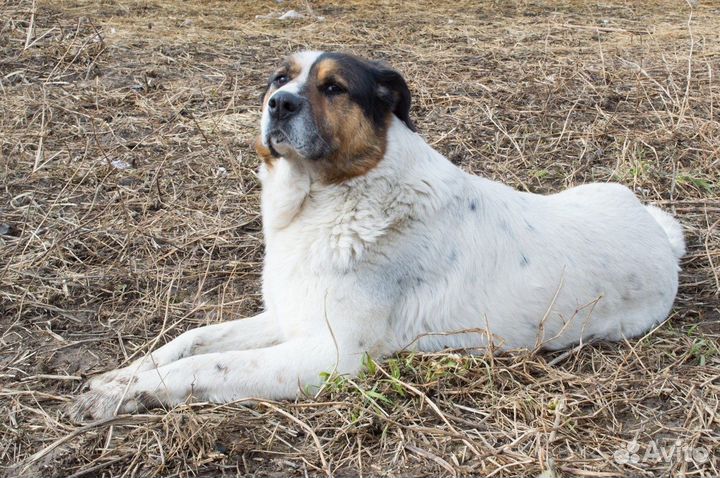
(333, 111)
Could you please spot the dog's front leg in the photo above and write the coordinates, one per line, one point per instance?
(242, 334)
(275, 372)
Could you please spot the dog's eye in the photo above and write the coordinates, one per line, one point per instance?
(281, 80)
(333, 89)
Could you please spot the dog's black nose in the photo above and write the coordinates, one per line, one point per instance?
(283, 105)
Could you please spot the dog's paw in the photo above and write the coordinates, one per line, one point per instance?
(101, 402)
(121, 376)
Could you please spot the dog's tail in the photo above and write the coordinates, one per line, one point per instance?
(672, 227)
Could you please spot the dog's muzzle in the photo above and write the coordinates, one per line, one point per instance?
(291, 128)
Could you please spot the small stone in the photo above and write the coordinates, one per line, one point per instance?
(120, 164)
(291, 15)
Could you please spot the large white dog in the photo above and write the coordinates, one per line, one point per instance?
(376, 243)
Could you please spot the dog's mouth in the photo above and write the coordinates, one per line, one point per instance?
(277, 138)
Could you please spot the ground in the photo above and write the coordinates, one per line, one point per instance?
(129, 213)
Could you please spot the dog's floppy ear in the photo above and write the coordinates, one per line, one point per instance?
(394, 91)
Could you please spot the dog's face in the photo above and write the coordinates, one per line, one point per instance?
(332, 111)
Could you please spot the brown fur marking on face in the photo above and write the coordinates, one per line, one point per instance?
(289, 68)
(264, 152)
(329, 70)
(357, 144)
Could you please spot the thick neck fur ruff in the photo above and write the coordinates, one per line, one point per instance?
(412, 181)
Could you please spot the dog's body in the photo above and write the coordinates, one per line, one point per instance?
(377, 243)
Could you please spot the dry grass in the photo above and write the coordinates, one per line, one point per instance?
(96, 261)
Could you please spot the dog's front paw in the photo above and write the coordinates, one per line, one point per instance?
(122, 375)
(101, 402)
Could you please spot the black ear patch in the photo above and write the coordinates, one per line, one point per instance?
(394, 91)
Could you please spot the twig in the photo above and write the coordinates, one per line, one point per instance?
(31, 25)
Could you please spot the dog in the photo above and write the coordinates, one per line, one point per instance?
(376, 243)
